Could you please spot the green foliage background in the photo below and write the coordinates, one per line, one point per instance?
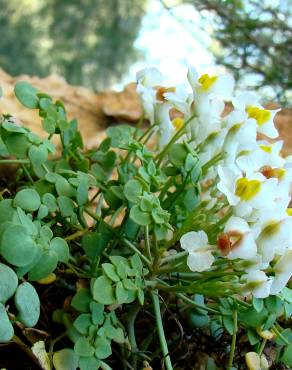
(90, 42)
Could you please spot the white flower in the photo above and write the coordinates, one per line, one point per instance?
(283, 272)
(149, 77)
(237, 241)
(263, 117)
(263, 154)
(200, 257)
(246, 193)
(260, 282)
(206, 86)
(166, 128)
(275, 236)
(241, 134)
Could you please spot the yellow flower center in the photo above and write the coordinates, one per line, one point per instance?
(207, 81)
(289, 211)
(177, 123)
(260, 115)
(270, 229)
(247, 189)
(266, 148)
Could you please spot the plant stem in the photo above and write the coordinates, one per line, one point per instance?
(197, 305)
(147, 242)
(160, 155)
(122, 239)
(76, 235)
(173, 257)
(160, 330)
(14, 161)
(233, 343)
(262, 346)
(279, 334)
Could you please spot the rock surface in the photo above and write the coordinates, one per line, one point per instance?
(95, 111)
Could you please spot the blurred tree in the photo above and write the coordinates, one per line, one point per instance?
(89, 42)
(255, 40)
(93, 39)
(20, 51)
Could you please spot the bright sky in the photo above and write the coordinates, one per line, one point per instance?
(171, 42)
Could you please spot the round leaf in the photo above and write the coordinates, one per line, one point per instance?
(28, 304)
(60, 246)
(6, 329)
(8, 282)
(26, 94)
(17, 247)
(103, 348)
(44, 266)
(103, 291)
(83, 348)
(27, 199)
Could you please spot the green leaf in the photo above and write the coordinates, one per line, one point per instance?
(141, 296)
(83, 347)
(274, 304)
(129, 285)
(253, 337)
(42, 212)
(287, 355)
(17, 145)
(8, 282)
(27, 199)
(60, 246)
(66, 206)
(110, 271)
(65, 359)
(136, 263)
(63, 187)
(228, 324)
(133, 190)
(258, 304)
(198, 320)
(177, 154)
(114, 197)
(6, 329)
(82, 191)
(46, 264)
(26, 94)
(49, 125)
(97, 310)
(50, 201)
(89, 363)
(28, 304)
(81, 300)
(6, 210)
(102, 348)
(82, 323)
(121, 293)
(93, 244)
(252, 318)
(17, 247)
(141, 218)
(103, 291)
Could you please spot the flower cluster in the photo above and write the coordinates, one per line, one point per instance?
(243, 168)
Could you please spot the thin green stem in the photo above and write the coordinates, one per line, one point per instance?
(175, 137)
(173, 257)
(279, 334)
(27, 173)
(262, 347)
(233, 343)
(160, 330)
(147, 243)
(14, 161)
(197, 305)
(125, 241)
